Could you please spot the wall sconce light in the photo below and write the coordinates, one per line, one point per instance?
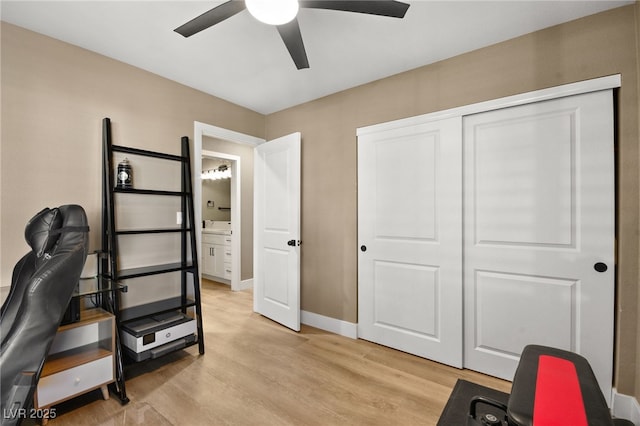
(222, 172)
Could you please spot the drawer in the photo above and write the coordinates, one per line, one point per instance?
(213, 239)
(74, 381)
(227, 241)
(227, 271)
(227, 254)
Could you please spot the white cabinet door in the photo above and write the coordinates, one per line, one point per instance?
(214, 255)
(218, 260)
(208, 260)
(277, 230)
(410, 237)
(213, 260)
(538, 231)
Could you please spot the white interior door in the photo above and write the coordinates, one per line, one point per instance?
(277, 230)
(539, 232)
(410, 237)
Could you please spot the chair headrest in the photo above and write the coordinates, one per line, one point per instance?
(38, 231)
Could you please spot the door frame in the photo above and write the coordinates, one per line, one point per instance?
(201, 130)
(236, 217)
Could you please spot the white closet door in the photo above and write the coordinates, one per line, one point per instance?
(539, 232)
(410, 237)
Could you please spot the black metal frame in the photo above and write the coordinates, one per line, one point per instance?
(186, 266)
(107, 261)
(484, 420)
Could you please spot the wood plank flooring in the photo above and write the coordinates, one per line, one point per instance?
(256, 372)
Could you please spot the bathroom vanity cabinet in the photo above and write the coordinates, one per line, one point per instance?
(216, 255)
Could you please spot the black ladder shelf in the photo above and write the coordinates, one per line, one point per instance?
(187, 266)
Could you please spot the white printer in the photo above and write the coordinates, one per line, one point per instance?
(152, 337)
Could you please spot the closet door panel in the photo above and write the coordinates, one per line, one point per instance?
(409, 227)
(524, 183)
(539, 206)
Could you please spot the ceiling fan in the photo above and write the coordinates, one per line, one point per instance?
(282, 14)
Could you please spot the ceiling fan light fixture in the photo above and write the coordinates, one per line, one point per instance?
(273, 12)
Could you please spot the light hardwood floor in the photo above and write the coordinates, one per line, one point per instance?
(256, 372)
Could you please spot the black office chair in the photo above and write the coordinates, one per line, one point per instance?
(41, 288)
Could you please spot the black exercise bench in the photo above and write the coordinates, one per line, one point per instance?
(551, 387)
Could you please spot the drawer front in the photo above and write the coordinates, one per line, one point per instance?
(74, 381)
(227, 271)
(213, 238)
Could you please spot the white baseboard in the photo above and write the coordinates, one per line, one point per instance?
(343, 328)
(216, 279)
(625, 407)
(246, 284)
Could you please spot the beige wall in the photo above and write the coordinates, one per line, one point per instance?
(54, 97)
(592, 47)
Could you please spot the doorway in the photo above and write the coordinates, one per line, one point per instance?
(221, 186)
(241, 228)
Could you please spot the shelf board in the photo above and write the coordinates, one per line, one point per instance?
(146, 153)
(154, 308)
(72, 358)
(93, 285)
(149, 192)
(131, 355)
(150, 231)
(88, 316)
(153, 270)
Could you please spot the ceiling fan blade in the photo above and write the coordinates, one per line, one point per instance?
(290, 33)
(211, 17)
(393, 9)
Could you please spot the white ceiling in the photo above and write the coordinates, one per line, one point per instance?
(245, 62)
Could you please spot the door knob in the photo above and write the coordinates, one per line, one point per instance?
(291, 243)
(363, 248)
(600, 267)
